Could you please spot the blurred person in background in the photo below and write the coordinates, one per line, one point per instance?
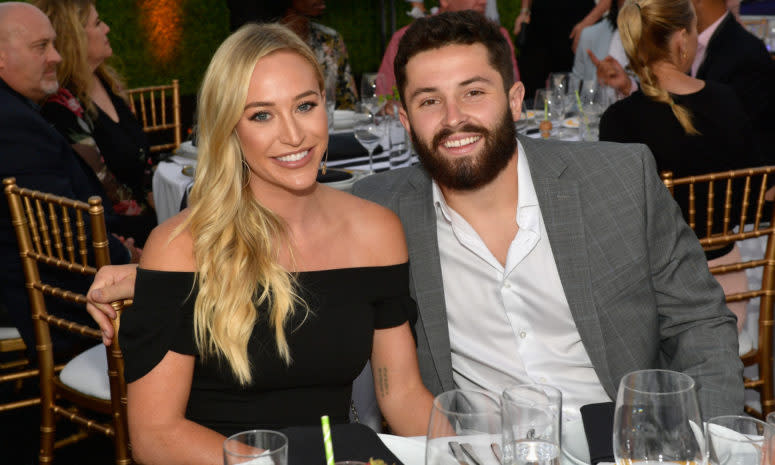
(553, 31)
(385, 85)
(691, 126)
(90, 110)
(327, 44)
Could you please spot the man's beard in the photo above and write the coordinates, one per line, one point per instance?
(474, 171)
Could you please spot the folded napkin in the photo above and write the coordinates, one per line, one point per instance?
(344, 145)
(599, 427)
(351, 442)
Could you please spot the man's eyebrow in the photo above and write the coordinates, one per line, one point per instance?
(271, 104)
(475, 79)
(422, 90)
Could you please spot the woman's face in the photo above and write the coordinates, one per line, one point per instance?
(283, 129)
(97, 46)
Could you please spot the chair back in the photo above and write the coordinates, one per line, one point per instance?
(158, 109)
(738, 200)
(69, 236)
(15, 367)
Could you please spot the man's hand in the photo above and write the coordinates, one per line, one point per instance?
(111, 283)
(611, 73)
(524, 17)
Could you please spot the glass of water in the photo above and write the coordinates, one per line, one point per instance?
(531, 415)
(256, 447)
(657, 419)
(463, 423)
(739, 440)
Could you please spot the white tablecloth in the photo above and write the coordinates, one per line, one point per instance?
(170, 184)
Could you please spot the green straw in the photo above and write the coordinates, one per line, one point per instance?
(546, 116)
(327, 440)
(578, 102)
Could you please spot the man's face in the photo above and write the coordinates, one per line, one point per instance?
(28, 59)
(459, 5)
(459, 116)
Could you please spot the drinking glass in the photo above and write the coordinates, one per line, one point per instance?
(368, 132)
(657, 419)
(256, 447)
(739, 440)
(531, 421)
(593, 104)
(463, 420)
(369, 96)
(771, 418)
(548, 105)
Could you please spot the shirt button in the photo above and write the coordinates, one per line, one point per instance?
(507, 286)
(522, 334)
(542, 379)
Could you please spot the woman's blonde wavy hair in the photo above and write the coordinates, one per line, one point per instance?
(646, 27)
(69, 18)
(236, 238)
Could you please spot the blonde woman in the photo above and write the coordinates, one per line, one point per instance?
(258, 305)
(691, 126)
(89, 110)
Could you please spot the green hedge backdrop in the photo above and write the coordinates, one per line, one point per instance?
(205, 23)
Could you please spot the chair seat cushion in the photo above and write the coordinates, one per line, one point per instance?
(9, 332)
(88, 373)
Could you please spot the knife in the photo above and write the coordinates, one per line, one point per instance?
(457, 451)
(470, 453)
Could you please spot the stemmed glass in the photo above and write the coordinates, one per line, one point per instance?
(739, 440)
(368, 132)
(657, 419)
(566, 85)
(548, 103)
(462, 420)
(369, 96)
(593, 104)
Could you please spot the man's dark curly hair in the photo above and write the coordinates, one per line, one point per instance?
(453, 28)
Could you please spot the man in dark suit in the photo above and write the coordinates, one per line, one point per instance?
(35, 153)
(729, 54)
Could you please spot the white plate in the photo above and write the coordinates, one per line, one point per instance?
(187, 150)
(346, 119)
(574, 441)
(410, 451)
(572, 123)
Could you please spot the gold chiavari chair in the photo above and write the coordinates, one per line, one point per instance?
(158, 109)
(52, 230)
(743, 213)
(15, 368)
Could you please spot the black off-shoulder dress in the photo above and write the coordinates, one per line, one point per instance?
(329, 345)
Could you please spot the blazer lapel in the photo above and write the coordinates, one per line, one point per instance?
(560, 203)
(418, 215)
(713, 44)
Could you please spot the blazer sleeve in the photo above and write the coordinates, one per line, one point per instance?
(698, 332)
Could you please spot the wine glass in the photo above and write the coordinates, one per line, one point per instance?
(531, 418)
(369, 96)
(256, 447)
(657, 419)
(462, 420)
(739, 440)
(368, 132)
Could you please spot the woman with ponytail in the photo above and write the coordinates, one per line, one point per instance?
(258, 305)
(691, 126)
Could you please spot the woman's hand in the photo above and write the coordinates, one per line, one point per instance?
(611, 73)
(111, 283)
(524, 17)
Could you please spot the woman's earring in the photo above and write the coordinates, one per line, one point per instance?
(325, 163)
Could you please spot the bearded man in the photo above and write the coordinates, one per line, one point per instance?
(565, 263)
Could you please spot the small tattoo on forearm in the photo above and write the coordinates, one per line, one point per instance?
(382, 381)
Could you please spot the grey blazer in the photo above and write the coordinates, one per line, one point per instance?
(634, 275)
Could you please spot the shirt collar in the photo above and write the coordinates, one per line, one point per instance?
(526, 194)
(705, 35)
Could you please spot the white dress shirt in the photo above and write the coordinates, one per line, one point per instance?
(512, 324)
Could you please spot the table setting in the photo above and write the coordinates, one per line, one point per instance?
(655, 420)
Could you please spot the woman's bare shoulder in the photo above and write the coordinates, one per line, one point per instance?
(167, 249)
(374, 228)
